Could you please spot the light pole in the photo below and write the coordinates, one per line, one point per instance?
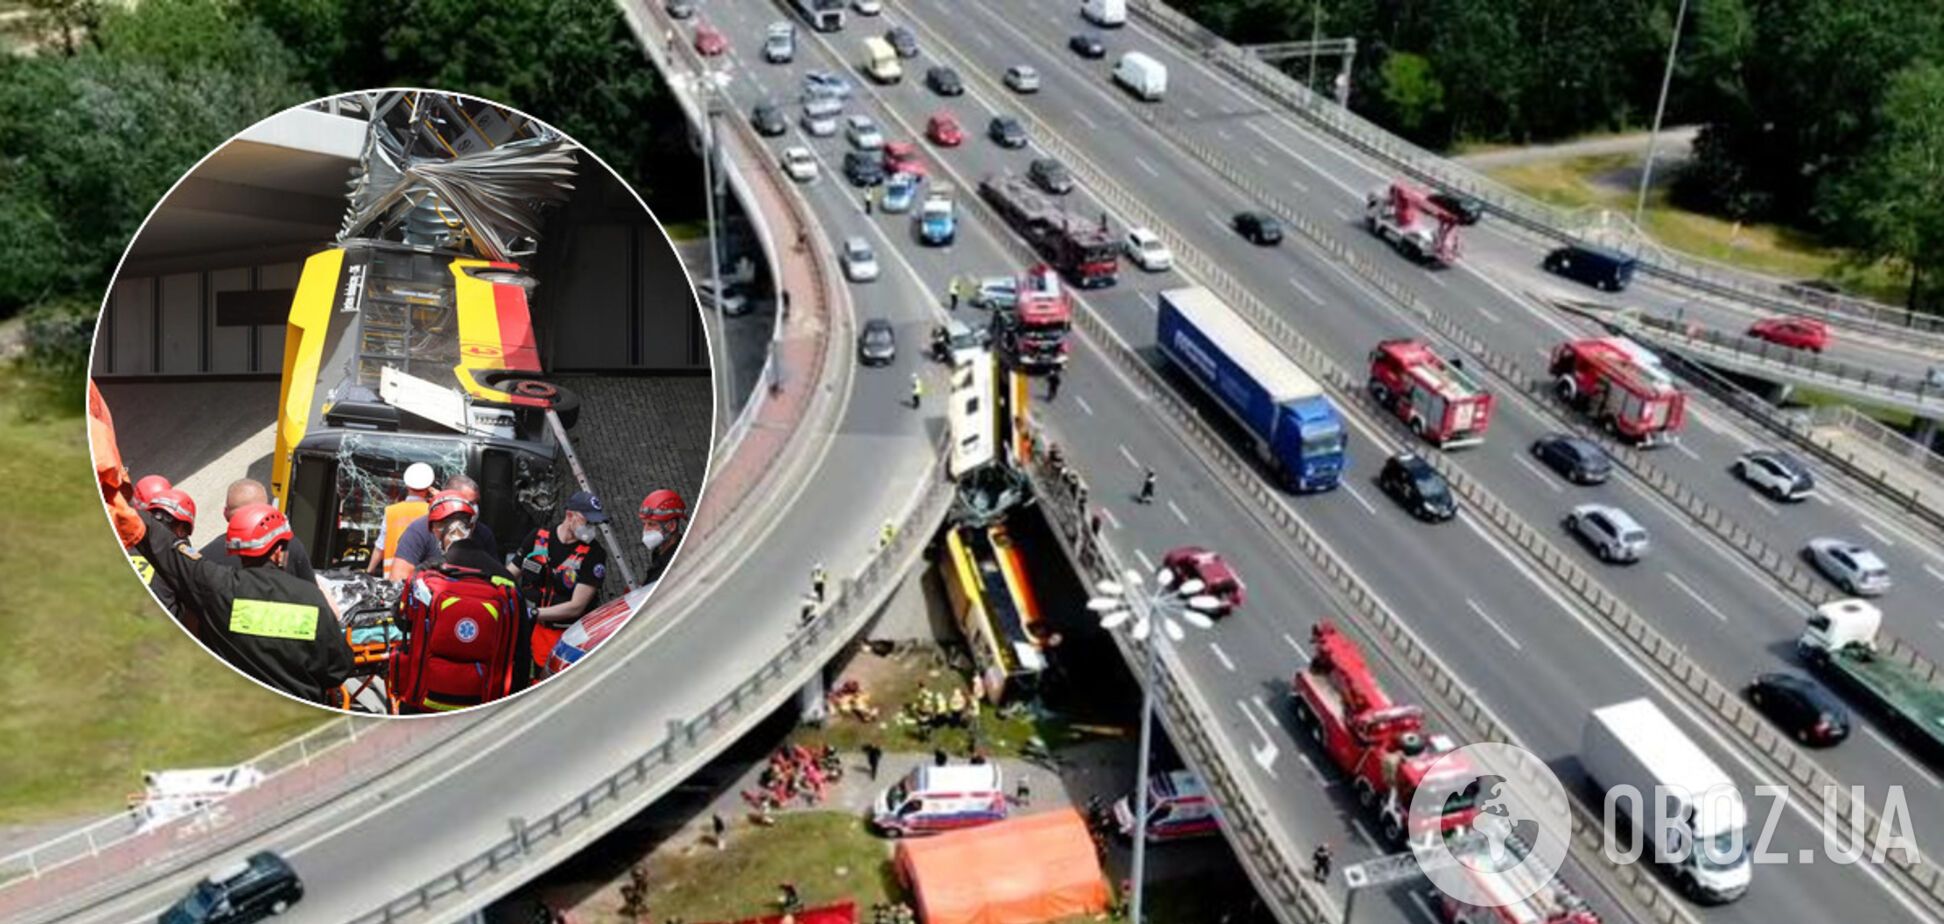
(1132, 600)
(1660, 109)
(710, 82)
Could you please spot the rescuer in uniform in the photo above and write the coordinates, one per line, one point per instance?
(664, 517)
(176, 511)
(560, 571)
(242, 493)
(418, 548)
(274, 626)
(391, 530)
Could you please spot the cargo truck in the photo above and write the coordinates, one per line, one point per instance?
(1687, 812)
(1295, 428)
(1842, 643)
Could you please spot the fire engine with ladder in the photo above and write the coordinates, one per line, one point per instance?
(1550, 902)
(1621, 386)
(1381, 746)
(1415, 226)
(1440, 402)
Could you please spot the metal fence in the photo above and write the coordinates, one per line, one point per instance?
(1537, 217)
(1918, 393)
(1920, 458)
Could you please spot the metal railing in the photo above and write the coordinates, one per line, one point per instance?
(1915, 393)
(678, 754)
(1540, 218)
(1891, 443)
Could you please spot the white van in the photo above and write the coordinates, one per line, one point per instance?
(931, 799)
(1108, 13)
(881, 61)
(1141, 75)
(1683, 806)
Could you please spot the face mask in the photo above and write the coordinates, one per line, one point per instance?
(652, 538)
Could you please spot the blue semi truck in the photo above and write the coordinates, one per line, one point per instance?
(1296, 428)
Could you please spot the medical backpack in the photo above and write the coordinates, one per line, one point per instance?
(465, 633)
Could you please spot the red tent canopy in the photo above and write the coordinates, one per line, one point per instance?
(840, 913)
(1024, 870)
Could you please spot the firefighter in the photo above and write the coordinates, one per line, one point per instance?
(271, 625)
(453, 521)
(177, 511)
(148, 487)
(560, 571)
(399, 515)
(418, 548)
(664, 517)
(242, 493)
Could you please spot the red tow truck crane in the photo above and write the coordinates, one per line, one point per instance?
(1079, 247)
(1622, 386)
(1442, 404)
(1405, 216)
(1382, 747)
(1548, 903)
(1032, 331)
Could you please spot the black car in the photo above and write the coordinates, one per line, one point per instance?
(1802, 707)
(902, 41)
(768, 120)
(944, 81)
(1259, 228)
(1464, 208)
(864, 168)
(1580, 461)
(1595, 266)
(252, 890)
(1050, 175)
(1087, 46)
(1007, 131)
(680, 9)
(877, 343)
(1412, 482)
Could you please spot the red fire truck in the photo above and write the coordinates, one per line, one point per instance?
(1622, 386)
(1415, 226)
(1440, 402)
(1032, 331)
(1084, 250)
(1382, 747)
(1548, 903)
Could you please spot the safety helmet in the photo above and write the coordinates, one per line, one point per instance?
(256, 530)
(418, 476)
(663, 506)
(446, 504)
(176, 503)
(147, 487)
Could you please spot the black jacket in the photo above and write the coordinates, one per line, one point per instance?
(272, 626)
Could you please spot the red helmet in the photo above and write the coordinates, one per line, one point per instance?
(176, 503)
(256, 530)
(450, 503)
(663, 506)
(147, 487)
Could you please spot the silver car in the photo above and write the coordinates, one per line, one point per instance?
(1612, 533)
(859, 261)
(1023, 78)
(1857, 570)
(862, 130)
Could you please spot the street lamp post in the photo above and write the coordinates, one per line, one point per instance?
(1131, 600)
(1660, 109)
(709, 83)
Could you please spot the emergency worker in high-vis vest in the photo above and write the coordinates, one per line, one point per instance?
(269, 624)
(398, 516)
(560, 570)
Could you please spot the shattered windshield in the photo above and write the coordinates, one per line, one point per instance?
(371, 476)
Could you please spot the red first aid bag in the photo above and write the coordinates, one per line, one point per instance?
(463, 634)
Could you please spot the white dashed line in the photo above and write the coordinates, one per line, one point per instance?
(1879, 536)
(1146, 563)
(1084, 120)
(1144, 166)
(1360, 500)
(1933, 572)
(1509, 640)
(1259, 159)
(1083, 405)
(1298, 646)
(1683, 450)
(1340, 214)
(1922, 772)
(1190, 113)
(1222, 656)
(1298, 283)
(1178, 514)
(1549, 480)
(1672, 578)
(1108, 515)
(1129, 456)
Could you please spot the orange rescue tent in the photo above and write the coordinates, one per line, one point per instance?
(1024, 870)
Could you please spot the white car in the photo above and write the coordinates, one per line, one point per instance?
(867, 7)
(859, 261)
(1145, 250)
(1612, 533)
(996, 292)
(800, 164)
(1778, 474)
(862, 130)
(734, 302)
(1023, 78)
(1857, 570)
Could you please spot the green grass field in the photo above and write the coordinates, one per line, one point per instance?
(100, 684)
(893, 682)
(1574, 183)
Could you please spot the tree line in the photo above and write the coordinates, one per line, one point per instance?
(1826, 115)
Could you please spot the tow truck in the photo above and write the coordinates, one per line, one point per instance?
(1413, 224)
(1032, 331)
(1083, 250)
(1621, 386)
(1844, 642)
(1438, 400)
(1381, 746)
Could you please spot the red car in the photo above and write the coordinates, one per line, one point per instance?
(709, 42)
(944, 131)
(1794, 333)
(1221, 581)
(902, 157)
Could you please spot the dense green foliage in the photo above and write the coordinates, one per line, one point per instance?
(119, 100)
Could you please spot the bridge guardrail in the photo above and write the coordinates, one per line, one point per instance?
(1914, 391)
(1904, 449)
(1533, 215)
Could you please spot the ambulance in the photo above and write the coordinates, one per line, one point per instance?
(931, 799)
(1178, 807)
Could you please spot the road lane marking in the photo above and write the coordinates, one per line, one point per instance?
(1683, 450)
(1674, 579)
(1879, 536)
(1178, 514)
(1341, 214)
(1265, 756)
(1763, 503)
(1509, 640)
(1360, 500)
(1083, 405)
(1933, 572)
(1146, 563)
(1437, 280)
(1298, 283)
(1143, 164)
(1549, 480)
(1107, 514)
(1217, 219)
(1313, 772)
(1259, 159)
(1222, 656)
(1923, 773)
(1129, 456)
(1223, 132)
(1296, 645)
(1082, 116)
(1190, 113)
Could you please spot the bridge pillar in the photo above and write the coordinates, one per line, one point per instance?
(1779, 392)
(813, 704)
(1926, 432)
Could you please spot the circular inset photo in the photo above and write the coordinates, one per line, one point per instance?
(399, 401)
